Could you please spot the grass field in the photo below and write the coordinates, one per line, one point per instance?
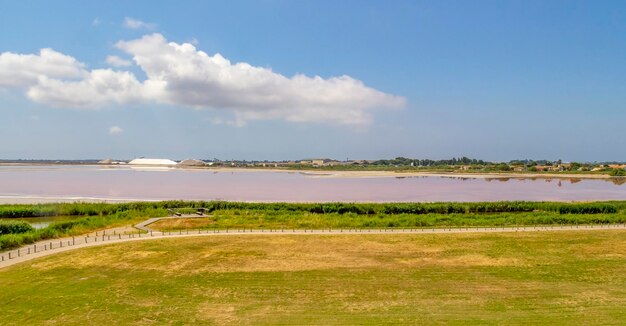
(234, 219)
(514, 278)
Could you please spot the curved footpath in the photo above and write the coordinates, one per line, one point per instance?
(51, 247)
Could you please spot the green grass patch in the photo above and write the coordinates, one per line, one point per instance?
(513, 278)
(256, 219)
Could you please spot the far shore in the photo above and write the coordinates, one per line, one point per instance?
(400, 174)
(359, 173)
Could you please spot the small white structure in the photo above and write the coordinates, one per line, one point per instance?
(152, 161)
(109, 161)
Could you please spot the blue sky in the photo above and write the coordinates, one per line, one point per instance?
(497, 80)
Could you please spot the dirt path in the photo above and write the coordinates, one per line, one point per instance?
(51, 247)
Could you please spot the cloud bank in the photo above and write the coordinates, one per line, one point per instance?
(182, 75)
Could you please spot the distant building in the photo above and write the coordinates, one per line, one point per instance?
(152, 161)
(317, 161)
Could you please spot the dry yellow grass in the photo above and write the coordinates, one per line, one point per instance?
(512, 278)
(182, 223)
(283, 254)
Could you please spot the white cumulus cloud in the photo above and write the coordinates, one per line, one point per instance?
(115, 130)
(22, 70)
(116, 61)
(99, 87)
(182, 75)
(133, 23)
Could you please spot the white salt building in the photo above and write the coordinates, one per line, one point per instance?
(152, 161)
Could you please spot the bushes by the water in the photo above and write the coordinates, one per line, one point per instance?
(101, 209)
(13, 227)
(617, 172)
(419, 208)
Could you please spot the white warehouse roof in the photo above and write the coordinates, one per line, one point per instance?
(151, 161)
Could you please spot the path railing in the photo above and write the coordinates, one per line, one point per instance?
(102, 237)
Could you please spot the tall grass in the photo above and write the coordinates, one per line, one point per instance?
(80, 225)
(277, 220)
(102, 209)
(93, 216)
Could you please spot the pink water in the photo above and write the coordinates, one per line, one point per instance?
(120, 183)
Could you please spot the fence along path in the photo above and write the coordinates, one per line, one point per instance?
(50, 247)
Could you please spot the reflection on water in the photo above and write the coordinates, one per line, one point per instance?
(120, 182)
(619, 181)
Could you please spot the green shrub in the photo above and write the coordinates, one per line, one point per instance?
(617, 172)
(13, 227)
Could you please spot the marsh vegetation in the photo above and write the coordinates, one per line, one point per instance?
(80, 218)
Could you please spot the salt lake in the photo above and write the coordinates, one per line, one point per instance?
(22, 183)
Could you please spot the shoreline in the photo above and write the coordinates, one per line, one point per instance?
(395, 174)
(349, 173)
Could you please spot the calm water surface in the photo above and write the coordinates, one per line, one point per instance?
(41, 222)
(46, 183)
